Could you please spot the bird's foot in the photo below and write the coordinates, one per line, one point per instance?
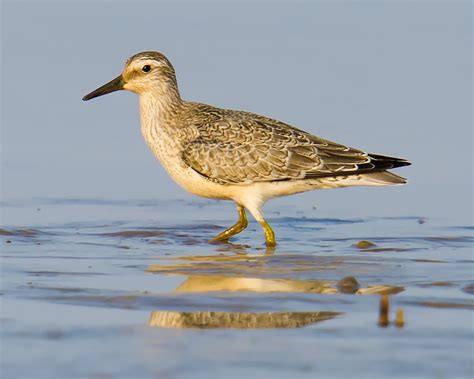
(228, 233)
(234, 229)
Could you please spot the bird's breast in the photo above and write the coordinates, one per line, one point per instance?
(163, 144)
(167, 141)
(166, 145)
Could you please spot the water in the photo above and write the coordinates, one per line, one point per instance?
(99, 289)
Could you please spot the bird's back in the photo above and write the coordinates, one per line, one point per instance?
(237, 147)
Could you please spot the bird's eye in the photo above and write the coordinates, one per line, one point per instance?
(146, 68)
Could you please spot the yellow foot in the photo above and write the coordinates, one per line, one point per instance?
(234, 229)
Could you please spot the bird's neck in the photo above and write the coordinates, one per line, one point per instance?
(160, 103)
(159, 115)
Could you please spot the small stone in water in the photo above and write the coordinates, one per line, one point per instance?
(349, 284)
(364, 244)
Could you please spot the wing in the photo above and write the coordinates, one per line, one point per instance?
(243, 148)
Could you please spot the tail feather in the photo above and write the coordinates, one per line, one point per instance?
(383, 178)
(373, 173)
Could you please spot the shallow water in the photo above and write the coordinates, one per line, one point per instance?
(96, 289)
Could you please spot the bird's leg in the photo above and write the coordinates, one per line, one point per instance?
(234, 229)
(269, 234)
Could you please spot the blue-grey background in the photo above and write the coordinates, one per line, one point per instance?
(385, 76)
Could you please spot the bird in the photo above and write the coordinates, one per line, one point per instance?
(235, 155)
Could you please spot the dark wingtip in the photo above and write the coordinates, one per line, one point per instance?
(404, 163)
(389, 162)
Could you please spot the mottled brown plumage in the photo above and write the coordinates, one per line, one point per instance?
(241, 148)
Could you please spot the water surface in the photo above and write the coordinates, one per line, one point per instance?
(94, 288)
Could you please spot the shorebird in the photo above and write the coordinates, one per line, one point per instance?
(234, 155)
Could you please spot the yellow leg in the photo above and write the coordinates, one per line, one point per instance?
(234, 229)
(269, 234)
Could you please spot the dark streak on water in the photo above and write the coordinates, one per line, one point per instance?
(134, 289)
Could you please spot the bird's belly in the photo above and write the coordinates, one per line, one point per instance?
(186, 177)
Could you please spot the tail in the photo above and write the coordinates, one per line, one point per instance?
(373, 173)
(382, 178)
(377, 174)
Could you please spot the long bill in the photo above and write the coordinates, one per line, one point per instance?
(112, 86)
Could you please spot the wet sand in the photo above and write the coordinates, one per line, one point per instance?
(98, 289)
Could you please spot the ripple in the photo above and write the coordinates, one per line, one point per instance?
(443, 304)
(316, 220)
(141, 233)
(20, 233)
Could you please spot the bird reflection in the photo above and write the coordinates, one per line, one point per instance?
(209, 283)
(256, 273)
(239, 320)
(226, 274)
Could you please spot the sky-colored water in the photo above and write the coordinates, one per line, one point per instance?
(388, 77)
(97, 289)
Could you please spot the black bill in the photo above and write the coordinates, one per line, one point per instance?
(114, 85)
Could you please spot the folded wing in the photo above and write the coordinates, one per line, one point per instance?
(243, 148)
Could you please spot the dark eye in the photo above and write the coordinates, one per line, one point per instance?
(146, 68)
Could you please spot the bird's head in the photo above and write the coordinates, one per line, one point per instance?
(146, 72)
